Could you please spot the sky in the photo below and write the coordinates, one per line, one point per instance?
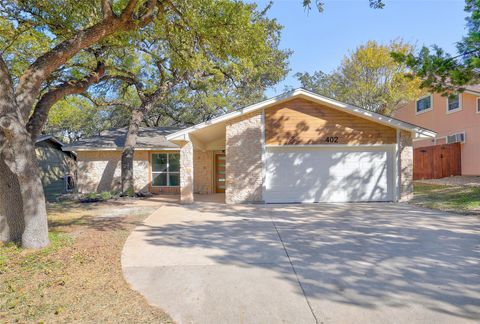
(320, 40)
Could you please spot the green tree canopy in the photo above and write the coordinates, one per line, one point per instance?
(443, 72)
(52, 49)
(368, 77)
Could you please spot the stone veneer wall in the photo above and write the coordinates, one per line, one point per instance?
(406, 165)
(203, 171)
(100, 171)
(244, 159)
(186, 173)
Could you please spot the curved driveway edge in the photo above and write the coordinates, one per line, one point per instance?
(324, 263)
(181, 260)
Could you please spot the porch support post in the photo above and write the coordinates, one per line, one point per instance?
(186, 173)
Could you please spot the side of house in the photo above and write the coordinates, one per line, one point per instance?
(454, 119)
(57, 168)
(155, 167)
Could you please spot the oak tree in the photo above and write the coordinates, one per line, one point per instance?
(38, 40)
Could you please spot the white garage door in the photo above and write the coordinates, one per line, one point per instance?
(329, 174)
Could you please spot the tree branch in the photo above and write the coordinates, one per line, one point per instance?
(107, 9)
(39, 117)
(30, 82)
(7, 102)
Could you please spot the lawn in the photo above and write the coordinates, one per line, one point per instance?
(458, 199)
(78, 278)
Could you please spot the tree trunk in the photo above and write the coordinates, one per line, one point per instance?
(23, 214)
(11, 226)
(22, 201)
(128, 183)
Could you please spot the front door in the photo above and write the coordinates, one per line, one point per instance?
(220, 173)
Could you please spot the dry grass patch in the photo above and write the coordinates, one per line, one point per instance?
(78, 277)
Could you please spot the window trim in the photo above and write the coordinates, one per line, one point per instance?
(426, 110)
(460, 105)
(152, 173)
(478, 106)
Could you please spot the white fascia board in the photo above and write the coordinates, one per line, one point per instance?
(119, 149)
(327, 145)
(388, 121)
(472, 92)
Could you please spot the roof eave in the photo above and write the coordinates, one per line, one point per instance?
(388, 121)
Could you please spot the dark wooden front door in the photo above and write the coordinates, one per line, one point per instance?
(220, 173)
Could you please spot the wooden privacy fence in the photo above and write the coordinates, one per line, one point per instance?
(439, 161)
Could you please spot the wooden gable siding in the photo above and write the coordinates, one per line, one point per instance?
(300, 121)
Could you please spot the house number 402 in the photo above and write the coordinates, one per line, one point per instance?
(331, 139)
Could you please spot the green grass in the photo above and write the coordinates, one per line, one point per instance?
(35, 259)
(459, 199)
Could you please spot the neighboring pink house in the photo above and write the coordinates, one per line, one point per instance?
(454, 119)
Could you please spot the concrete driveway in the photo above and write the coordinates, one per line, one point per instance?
(319, 263)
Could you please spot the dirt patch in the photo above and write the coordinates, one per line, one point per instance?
(78, 277)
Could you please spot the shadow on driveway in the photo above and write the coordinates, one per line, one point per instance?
(348, 263)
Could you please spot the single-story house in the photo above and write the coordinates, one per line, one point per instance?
(57, 167)
(98, 160)
(295, 147)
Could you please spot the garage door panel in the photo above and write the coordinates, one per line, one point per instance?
(327, 175)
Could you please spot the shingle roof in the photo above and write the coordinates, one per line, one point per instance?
(152, 138)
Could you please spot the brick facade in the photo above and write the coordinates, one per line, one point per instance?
(186, 173)
(244, 159)
(203, 172)
(406, 165)
(100, 171)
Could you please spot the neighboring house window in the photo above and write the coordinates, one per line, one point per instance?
(478, 105)
(424, 104)
(166, 170)
(456, 138)
(454, 103)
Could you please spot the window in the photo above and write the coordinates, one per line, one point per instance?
(478, 105)
(454, 103)
(456, 138)
(166, 170)
(424, 104)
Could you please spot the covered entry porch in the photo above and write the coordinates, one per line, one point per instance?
(203, 165)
